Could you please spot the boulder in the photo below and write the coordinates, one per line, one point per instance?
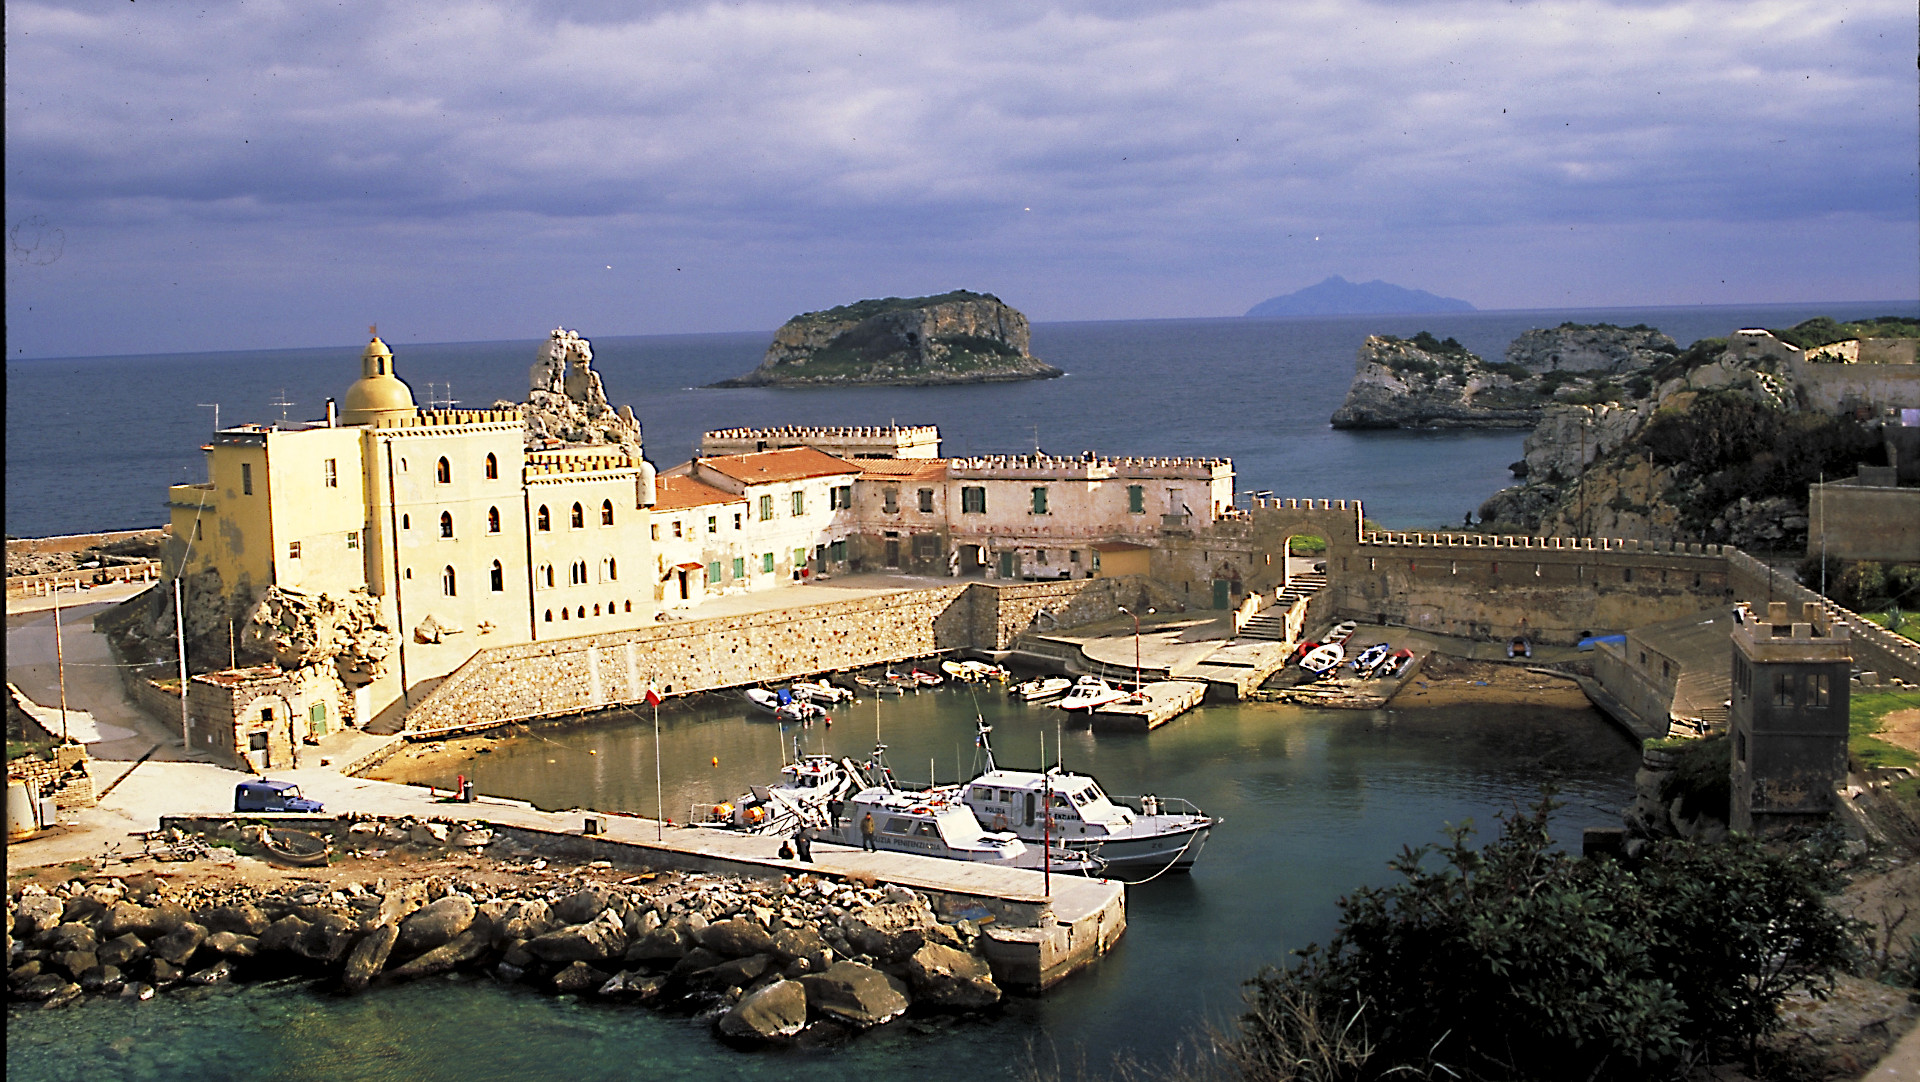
(890, 932)
(168, 916)
(71, 936)
(213, 974)
(460, 950)
(121, 950)
(242, 919)
(944, 977)
(126, 918)
(737, 973)
(102, 979)
(369, 957)
(471, 839)
(695, 960)
(428, 833)
(630, 983)
(42, 986)
(231, 945)
(327, 938)
(639, 922)
(74, 962)
(400, 901)
(82, 909)
(282, 935)
(578, 977)
(164, 972)
(437, 923)
(36, 915)
(736, 938)
(595, 941)
(523, 920)
(668, 943)
(179, 945)
(772, 1013)
(792, 944)
(584, 904)
(857, 995)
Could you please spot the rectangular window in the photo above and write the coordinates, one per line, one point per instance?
(1783, 689)
(890, 500)
(799, 557)
(713, 571)
(1039, 499)
(926, 501)
(1818, 693)
(799, 502)
(838, 551)
(839, 497)
(766, 508)
(656, 531)
(766, 563)
(713, 523)
(973, 501)
(293, 550)
(246, 478)
(353, 539)
(737, 517)
(333, 473)
(739, 567)
(1137, 499)
(676, 528)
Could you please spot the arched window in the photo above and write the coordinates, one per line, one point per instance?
(545, 519)
(629, 606)
(493, 467)
(446, 524)
(581, 612)
(549, 616)
(499, 580)
(579, 517)
(443, 472)
(564, 615)
(613, 569)
(606, 512)
(446, 581)
(549, 571)
(406, 522)
(493, 520)
(596, 608)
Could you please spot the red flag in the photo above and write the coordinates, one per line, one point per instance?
(653, 694)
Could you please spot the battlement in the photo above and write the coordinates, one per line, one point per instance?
(1265, 503)
(823, 432)
(1083, 465)
(845, 441)
(443, 418)
(1395, 539)
(550, 464)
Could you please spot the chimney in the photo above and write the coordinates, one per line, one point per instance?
(333, 415)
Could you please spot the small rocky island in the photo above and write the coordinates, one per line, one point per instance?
(1424, 382)
(957, 337)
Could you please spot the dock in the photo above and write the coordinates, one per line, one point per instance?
(1160, 702)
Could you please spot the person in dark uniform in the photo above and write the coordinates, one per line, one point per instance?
(803, 843)
(866, 834)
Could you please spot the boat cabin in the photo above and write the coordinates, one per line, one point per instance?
(1012, 800)
(930, 824)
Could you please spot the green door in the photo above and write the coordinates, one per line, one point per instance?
(1009, 565)
(1221, 595)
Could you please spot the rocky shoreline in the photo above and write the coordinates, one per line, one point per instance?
(808, 959)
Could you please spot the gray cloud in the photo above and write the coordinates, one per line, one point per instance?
(907, 141)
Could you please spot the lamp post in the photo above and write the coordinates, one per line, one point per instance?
(1137, 684)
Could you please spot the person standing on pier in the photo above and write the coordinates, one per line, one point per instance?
(866, 834)
(803, 843)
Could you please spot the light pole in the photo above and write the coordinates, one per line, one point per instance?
(1137, 685)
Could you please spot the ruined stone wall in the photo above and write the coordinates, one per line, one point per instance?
(1551, 590)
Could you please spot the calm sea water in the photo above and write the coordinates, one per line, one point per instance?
(93, 442)
(1314, 802)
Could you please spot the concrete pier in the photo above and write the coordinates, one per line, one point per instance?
(1162, 701)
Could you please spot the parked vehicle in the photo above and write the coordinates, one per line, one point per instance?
(263, 795)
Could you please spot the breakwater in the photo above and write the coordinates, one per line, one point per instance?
(808, 958)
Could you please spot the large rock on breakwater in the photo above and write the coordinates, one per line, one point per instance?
(957, 337)
(811, 959)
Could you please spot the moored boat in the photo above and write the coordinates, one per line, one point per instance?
(1370, 658)
(927, 679)
(983, 671)
(809, 788)
(1088, 693)
(819, 691)
(1324, 659)
(938, 824)
(1043, 687)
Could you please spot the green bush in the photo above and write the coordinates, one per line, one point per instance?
(1517, 960)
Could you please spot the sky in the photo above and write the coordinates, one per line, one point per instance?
(184, 177)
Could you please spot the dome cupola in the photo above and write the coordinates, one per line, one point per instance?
(378, 394)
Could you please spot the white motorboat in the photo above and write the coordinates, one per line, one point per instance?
(983, 671)
(1153, 835)
(764, 698)
(938, 824)
(958, 671)
(1088, 693)
(806, 795)
(784, 706)
(1045, 687)
(927, 679)
(1324, 659)
(1369, 659)
(819, 691)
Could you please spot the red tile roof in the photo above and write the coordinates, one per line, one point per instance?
(902, 469)
(675, 493)
(791, 464)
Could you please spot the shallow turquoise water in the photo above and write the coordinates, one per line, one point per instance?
(1315, 803)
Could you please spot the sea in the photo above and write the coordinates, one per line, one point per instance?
(1314, 803)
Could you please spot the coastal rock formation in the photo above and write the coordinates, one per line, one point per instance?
(566, 402)
(767, 961)
(1424, 382)
(957, 337)
(1599, 347)
(296, 629)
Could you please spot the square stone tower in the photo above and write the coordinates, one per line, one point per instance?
(1789, 716)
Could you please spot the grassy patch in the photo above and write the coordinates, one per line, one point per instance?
(866, 309)
(1306, 545)
(1865, 712)
(1908, 625)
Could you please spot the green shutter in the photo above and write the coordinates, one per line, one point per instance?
(1039, 500)
(1137, 499)
(739, 567)
(766, 562)
(713, 571)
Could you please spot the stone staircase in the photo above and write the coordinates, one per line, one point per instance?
(1271, 623)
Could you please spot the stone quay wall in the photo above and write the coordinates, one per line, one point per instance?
(1548, 589)
(593, 672)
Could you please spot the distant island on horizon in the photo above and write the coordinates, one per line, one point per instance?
(1338, 297)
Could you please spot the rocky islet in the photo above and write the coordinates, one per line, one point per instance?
(953, 338)
(809, 959)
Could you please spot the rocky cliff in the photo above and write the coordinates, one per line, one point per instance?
(1423, 382)
(1590, 348)
(566, 402)
(957, 337)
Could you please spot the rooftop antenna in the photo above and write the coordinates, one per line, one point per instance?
(215, 407)
(284, 405)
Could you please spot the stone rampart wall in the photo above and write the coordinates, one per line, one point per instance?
(1875, 649)
(1834, 387)
(1862, 522)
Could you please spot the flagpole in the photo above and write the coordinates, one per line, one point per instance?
(659, 793)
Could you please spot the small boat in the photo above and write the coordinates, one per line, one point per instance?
(819, 691)
(1045, 687)
(1370, 659)
(958, 671)
(1342, 631)
(901, 680)
(1519, 648)
(939, 824)
(1307, 646)
(983, 671)
(295, 847)
(927, 679)
(1397, 664)
(1324, 659)
(809, 788)
(803, 713)
(764, 698)
(878, 686)
(1088, 693)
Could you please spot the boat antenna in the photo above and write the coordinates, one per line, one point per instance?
(985, 755)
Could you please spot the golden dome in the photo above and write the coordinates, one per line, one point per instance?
(378, 394)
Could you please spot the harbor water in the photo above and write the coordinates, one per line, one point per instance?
(1314, 803)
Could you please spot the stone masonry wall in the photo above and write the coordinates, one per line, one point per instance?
(1875, 649)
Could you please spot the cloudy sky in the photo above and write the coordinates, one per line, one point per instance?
(264, 174)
